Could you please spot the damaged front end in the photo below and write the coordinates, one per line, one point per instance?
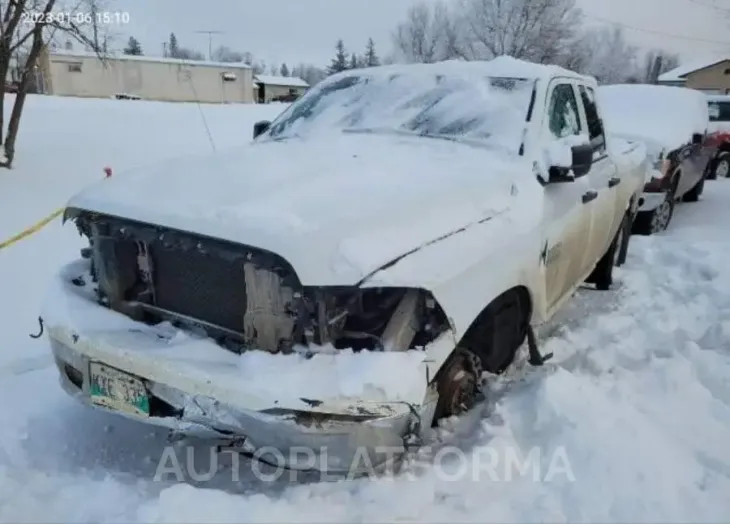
(243, 297)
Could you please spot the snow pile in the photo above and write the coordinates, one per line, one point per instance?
(667, 116)
(367, 375)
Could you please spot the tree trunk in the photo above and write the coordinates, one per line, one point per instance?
(28, 70)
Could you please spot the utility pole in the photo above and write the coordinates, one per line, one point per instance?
(210, 41)
(656, 69)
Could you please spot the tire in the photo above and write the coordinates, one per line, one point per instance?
(657, 220)
(602, 275)
(721, 167)
(693, 195)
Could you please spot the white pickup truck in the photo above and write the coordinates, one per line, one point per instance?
(342, 282)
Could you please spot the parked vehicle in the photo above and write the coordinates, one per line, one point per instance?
(672, 122)
(437, 210)
(719, 140)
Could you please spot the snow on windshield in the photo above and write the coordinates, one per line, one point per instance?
(489, 110)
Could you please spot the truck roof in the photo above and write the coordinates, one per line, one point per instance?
(501, 66)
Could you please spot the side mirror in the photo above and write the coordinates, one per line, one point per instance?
(697, 138)
(581, 161)
(259, 128)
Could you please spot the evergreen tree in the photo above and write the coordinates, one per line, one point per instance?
(284, 70)
(173, 50)
(133, 47)
(339, 62)
(354, 62)
(371, 57)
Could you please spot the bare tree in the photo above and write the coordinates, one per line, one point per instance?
(26, 26)
(417, 38)
(668, 62)
(536, 30)
(226, 54)
(611, 58)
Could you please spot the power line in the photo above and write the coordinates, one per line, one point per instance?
(661, 33)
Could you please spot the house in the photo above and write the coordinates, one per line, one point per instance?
(709, 75)
(269, 88)
(84, 74)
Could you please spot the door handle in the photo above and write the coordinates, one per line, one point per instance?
(614, 182)
(590, 195)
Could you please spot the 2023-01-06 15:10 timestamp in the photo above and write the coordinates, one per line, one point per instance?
(76, 17)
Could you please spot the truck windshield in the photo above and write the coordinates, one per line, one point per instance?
(484, 109)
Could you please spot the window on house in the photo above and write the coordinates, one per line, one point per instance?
(726, 72)
(228, 77)
(74, 67)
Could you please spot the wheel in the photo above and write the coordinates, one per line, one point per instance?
(458, 384)
(602, 275)
(657, 220)
(721, 169)
(693, 195)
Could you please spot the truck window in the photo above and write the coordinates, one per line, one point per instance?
(719, 111)
(595, 126)
(563, 112)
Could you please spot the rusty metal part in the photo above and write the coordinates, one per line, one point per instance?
(459, 384)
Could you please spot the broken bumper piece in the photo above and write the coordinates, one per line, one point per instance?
(356, 441)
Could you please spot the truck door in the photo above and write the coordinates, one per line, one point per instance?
(567, 205)
(605, 179)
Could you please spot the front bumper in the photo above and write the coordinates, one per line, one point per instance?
(307, 440)
(651, 201)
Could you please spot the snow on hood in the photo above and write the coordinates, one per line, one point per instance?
(663, 116)
(337, 208)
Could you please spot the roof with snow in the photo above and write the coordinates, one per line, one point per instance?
(499, 67)
(285, 81)
(680, 73)
(65, 53)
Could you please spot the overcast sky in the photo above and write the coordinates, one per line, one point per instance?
(296, 31)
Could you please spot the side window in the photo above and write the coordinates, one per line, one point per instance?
(719, 111)
(563, 112)
(595, 126)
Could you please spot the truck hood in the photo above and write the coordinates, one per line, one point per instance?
(337, 208)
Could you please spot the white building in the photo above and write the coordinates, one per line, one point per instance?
(76, 73)
(269, 87)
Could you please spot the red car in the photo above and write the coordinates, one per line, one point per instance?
(719, 139)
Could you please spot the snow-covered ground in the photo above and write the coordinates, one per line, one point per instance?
(629, 422)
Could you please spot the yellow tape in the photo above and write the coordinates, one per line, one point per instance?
(32, 229)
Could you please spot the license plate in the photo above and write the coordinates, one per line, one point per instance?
(114, 389)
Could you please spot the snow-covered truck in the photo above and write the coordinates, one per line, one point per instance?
(342, 282)
(672, 123)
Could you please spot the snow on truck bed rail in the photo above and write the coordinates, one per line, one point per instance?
(663, 115)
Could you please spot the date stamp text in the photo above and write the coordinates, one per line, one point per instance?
(77, 18)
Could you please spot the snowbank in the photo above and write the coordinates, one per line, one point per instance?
(666, 116)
